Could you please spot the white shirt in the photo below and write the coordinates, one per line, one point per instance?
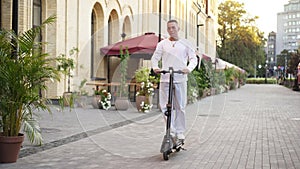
(176, 54)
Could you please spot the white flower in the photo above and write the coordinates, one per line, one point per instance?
(109, 96)
(142, 85)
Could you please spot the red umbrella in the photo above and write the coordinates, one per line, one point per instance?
(144, 44)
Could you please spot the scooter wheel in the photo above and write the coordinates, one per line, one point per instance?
(166, 156)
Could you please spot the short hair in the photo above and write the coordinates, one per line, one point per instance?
(172, 20)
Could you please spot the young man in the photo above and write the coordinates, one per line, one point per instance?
(177, 53)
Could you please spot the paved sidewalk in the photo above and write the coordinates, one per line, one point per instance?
(256, 126)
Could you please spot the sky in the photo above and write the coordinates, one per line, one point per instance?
(266, 10)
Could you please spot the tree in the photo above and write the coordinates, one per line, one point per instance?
(293, 63)
(241, 41)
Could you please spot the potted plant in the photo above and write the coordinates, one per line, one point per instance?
(81, 94)
(122, 102)
(145, 90)
(23, 72)
(66, 65)
(102, 99)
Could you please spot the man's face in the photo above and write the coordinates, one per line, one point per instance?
(173, 28)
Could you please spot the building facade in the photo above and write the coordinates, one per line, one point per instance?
(288, 27)
(271, 54)
(91, 24)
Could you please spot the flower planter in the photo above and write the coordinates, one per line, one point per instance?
(67, 96)
(145, 99)
(213, 91)
(10, 148)
(122, 103)
(95, 101)
(82, 101)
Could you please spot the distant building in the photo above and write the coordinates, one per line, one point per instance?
(288, 27)
(271, 53)
(92, 24)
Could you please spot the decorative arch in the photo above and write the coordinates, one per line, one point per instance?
(97, 39)
(127, 26)
(113, 27)
(127, 10)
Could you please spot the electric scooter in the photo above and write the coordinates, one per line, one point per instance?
(169, 144)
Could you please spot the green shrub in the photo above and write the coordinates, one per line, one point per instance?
(261, 81)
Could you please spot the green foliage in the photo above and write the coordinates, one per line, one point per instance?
(291, 59)
(146, 87)
(23, 72)
(260, 81)
(142, 75)
(241, 42)
(230, 75)
(66, 64)
(293, 63)
(123, 72)
(198, 80)
(81, 91)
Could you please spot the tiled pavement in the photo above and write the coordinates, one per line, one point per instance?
(256, 126)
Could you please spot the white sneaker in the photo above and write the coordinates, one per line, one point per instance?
(172, 134)
(180, 136)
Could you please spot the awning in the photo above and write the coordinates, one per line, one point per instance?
(222, 64)
(144, 44)
(203, 56)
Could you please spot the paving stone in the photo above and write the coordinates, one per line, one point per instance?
(256, 126)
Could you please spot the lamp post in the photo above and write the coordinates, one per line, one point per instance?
(259, 66)
(15, 16)
(285, 65)
(159, 21)
(266, 67)
(15, 9)
(198, 25)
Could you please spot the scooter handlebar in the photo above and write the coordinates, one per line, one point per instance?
(168, 71)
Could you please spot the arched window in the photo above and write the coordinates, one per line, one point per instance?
(113, 27)
(37, 15)
(37, 10)
(36, 21)
(97, 36)
(92, 42)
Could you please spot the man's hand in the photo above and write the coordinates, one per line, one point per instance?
(156, 70)
(185, 71)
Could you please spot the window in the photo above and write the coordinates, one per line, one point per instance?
(36, 21)
(271, 46)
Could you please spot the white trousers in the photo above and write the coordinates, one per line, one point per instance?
(179, 104)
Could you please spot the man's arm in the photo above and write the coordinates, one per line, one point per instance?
(192, 61)
(156, 57)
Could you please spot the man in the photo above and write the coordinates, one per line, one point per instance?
(177, 53)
